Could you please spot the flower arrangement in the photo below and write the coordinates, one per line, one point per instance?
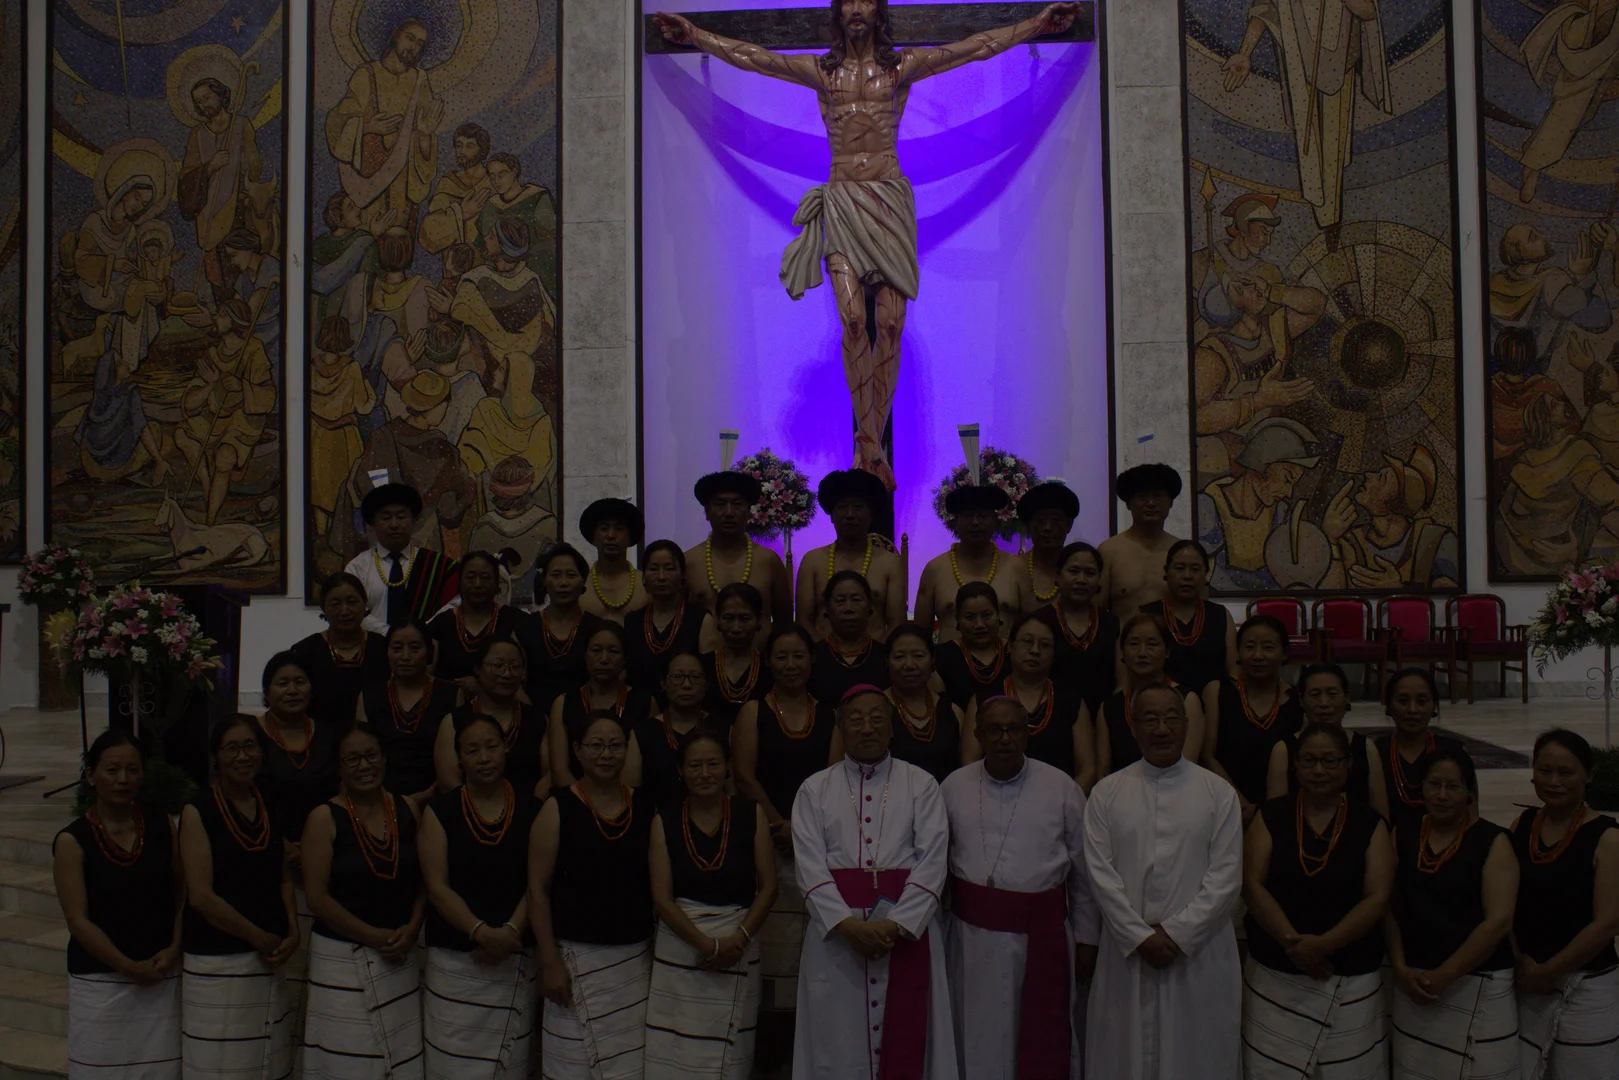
(786, 503)
(136, 628)
(55, 578)
(1581, 610)
(996, 468)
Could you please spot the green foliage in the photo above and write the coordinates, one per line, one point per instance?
(165, 786)
(1603, 794)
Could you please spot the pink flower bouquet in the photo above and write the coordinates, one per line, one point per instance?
(136, 628)
(1581, 610)
(786, 503)
(996, 468)
(55, 578)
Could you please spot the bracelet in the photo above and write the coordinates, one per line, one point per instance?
(472, 935)
(745, 933)
(515, 932)
(716, 947)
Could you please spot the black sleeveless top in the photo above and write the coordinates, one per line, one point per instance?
(1359, 787)
(832, 677)
(1403, 780)
(407, 741)
(786, 761)
(457, 649)
(601, 890)
(1316, 904)
(335, 685)
(1244, 742)
(1557, 900)
(735, 880)
(294, 784)
(1051, 740)
(937, 749)
(525, 764)
(727, 703)
(1121, 742)
(491, 878)
(650, 648)
(1204, 660)
(1437, 910)
(962, 676)
(383, 902)
(660, 767)
(249, 881)
(550, 676)
(637, 706)
(1088, 670)
(133, 905)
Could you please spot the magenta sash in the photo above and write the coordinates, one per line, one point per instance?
(1044, 1023)
(905, 1016)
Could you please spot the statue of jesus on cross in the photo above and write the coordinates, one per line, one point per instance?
(862, 223)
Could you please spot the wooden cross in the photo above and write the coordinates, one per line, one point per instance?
(909, 24)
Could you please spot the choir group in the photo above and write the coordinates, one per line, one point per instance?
(657, 828)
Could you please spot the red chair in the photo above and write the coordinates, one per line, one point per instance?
(1478, 622)
(1411, 628)
(1302, 646)
(1348, 634)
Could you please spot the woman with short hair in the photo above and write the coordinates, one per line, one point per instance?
(406, 710)
(1203, 636)
(1323, 696)
(1566, 919)
(848, 656)
(1456, 887)
(1317, 873)
(977, 658)
(669, 623)
(122, 893)
(478, 1011)
(927, 727)
(737, 670)
(1059, 724)
(343, 659)
(590, 900)
(241, 922)
(459, 632)
(1088, 639)
(363, 1015)
(607, 689)
(713, 876)
(554, 639)
(1144, 645)
(498, 670)
(654, 755)
(1248, 715)
(1411, 700)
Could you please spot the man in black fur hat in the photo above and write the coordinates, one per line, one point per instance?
(402, 580)
(1133, 570)
(729, 553)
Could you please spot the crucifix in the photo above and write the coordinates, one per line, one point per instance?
(860, 227)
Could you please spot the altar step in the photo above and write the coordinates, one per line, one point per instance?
(33, 964)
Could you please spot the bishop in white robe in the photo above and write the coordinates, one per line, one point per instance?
(1022, 922)
(871, 848)
(1163, 841)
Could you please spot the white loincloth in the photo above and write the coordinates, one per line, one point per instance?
(1470, 1033)
(1572, 1033)
(1294, 1026)
(235, 1019)
(117, 1030)
(478, 1019)
(872, 223)
(700, 1024)
(363, 1014)
(603, 1037)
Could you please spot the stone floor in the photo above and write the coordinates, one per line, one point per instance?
(33, 992)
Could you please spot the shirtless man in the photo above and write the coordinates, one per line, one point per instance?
(612, 527)
(729, 554)
(1048, 512)
(974, 557)
(862, 223)
(1135, 557)
(850, 498)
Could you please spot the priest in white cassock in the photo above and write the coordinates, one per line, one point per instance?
(1023, 926)
(1163, 841)
(871, 847)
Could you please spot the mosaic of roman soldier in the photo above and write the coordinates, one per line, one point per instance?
(1324, 313)
(13, 227)
(433, 288)
(1549, 187)
(165, 215)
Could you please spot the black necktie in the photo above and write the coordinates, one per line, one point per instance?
(398, 602)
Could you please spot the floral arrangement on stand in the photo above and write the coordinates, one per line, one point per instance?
(786, 503)
(996, 468)
(1581, 611)
(133, 629)
(57, 580)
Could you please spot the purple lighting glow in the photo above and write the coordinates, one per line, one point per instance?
(1009, 329)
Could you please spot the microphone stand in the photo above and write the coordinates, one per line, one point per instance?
(150, 566)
